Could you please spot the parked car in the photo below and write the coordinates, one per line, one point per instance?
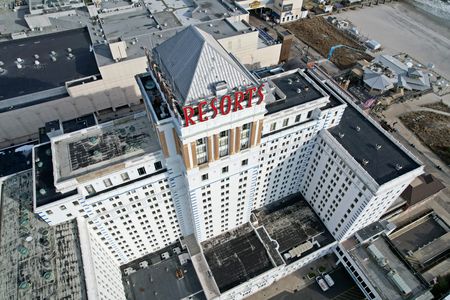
(329, 280)
(322, 283)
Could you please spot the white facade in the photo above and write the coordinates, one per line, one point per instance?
(206, 178)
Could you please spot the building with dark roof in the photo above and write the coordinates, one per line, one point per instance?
(37, 68)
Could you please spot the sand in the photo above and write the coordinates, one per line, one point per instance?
(400, 27)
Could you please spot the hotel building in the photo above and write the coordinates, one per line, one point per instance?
(215, 147)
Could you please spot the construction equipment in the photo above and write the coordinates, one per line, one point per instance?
(312, 64)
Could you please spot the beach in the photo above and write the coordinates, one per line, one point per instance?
(401, 27)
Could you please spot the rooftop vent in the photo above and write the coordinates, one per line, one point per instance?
(341, 135)
(378, 146)
(358, 128)
(52, 53)
(297, 79)
(398, 167)
(36, 56)
(299, 90)
(210, 25)
(36, 63)
(2, 70)
(19, 60)
(365, 162)
(53, 58)
(19, 66)
(69, 50)
(70, 56)
(1, 63)
(289, 81)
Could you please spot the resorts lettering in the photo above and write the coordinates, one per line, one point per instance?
(228, 103)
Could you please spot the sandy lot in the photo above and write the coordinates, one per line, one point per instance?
(399, 27)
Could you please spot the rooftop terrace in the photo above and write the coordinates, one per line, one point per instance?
(291, 222)
(29, 65)
(105, 145)
(235, 257)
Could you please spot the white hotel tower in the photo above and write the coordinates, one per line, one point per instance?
(140, 183)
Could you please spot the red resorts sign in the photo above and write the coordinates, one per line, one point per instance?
(227, 104)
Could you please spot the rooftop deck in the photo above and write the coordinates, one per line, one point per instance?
(235, 257)
(291, 222)
(103, 146)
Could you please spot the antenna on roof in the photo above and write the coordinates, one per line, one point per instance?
(398, 167)
(378, 146)
(365, 162)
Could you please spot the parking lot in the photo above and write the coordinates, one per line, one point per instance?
(343, 289)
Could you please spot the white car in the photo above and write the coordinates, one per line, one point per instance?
(329, 280)
(322, 283)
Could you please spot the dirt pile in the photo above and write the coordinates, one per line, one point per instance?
(432, 129)
(320, 35)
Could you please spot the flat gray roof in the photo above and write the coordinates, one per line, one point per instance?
(159, 279)
(378, 275)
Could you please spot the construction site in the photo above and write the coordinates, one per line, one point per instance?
(318, 34)
(432, 129)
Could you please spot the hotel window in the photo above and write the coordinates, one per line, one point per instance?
(125, 176)
(223, 143)
(141, 171)
(107, 182)
(285, 122)
(297, 118)
(158, 165)
(202, 156)
(245, 136)
(309, 114)
(90, 189)
(205, 177)
(273, 126)
(225, 169)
